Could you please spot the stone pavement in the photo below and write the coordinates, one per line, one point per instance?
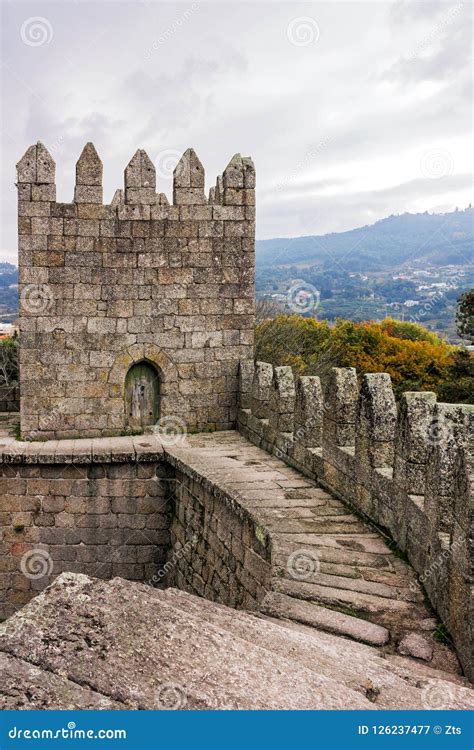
(331, 569)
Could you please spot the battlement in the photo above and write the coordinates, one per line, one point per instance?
(408, 467)
(135, 312)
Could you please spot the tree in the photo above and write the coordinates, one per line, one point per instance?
(9, 361)
(266, 309)
(415, 358)
(465, 315)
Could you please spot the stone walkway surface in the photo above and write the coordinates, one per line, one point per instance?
(332, 570)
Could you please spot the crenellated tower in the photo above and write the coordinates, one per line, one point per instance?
(136, 313)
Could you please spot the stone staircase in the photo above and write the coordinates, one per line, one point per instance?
(331, 569)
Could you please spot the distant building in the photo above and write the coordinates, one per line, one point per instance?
(7, 330)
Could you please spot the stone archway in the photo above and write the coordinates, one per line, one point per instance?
(166, 372)
(139, 353)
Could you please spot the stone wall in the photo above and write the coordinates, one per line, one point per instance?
(128, 507)
(98, 509)
(219, 550)
(407, 468)
(103, 287)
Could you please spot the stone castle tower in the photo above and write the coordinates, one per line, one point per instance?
(137, 312)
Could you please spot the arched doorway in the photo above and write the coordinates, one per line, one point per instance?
(142, 396)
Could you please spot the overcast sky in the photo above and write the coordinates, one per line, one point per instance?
(351, 111)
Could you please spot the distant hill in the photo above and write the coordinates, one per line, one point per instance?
(8, 292)
(418, 239)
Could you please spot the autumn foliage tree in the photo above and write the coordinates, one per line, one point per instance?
(465, 315)
(415, 358)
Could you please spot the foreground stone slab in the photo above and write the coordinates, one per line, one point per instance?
(26, 686)
(86, 643)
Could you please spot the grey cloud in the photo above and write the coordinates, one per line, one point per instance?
(321, 214)
(443, 48)
(403, 11)
(314, 118)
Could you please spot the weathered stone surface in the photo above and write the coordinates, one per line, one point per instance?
(99, 281)
(410, 473)
(26, 686)
(280, 605)
(131, 646)
(340, 401)
(262, 381)
(308, 411)
(414, 644)
(282, 400)
(89, 167)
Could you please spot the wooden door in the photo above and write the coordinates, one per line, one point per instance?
(142, 397)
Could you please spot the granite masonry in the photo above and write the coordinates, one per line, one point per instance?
(407, 468)
(334, 508)
(137, 311)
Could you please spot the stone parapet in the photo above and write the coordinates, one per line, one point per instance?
(407, 468)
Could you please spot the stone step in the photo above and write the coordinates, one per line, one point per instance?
(358, 584)
(339, 556)
(341, 524)
(338, 623)
(325, 514)
(366, 542)
(341, 598)
(271, 500)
